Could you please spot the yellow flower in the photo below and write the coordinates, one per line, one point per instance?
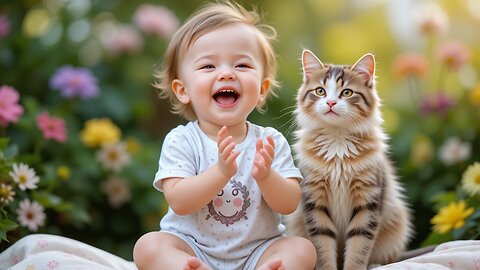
(475, 95)
(63, 172)
(133, 145)
(471, 179)
(100, 131)
(422, 150)
(451, 217)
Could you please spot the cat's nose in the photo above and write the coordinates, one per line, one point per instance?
(331, 103)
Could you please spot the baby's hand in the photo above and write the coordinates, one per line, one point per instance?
(226, 154)
(263, 158)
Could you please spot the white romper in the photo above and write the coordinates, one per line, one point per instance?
(234, 229)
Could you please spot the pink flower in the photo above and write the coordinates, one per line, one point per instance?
(437, 104)
(10, 110)
(156, 20)
(52, 127)
(122, 39)
(453, 54)
(4, 26)
(31, 214)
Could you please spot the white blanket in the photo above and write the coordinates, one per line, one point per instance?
(50, 252)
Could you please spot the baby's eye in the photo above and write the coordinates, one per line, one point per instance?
(243, 66)
(207, 67)
(320, 91)
(347, 93)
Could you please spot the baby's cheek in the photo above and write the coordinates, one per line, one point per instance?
(237, 202)
(218, 202)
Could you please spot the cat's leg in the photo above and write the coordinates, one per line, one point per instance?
(392, 236)
(320, 229)
(364, 222)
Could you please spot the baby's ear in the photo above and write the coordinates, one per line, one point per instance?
(365, 67)
(310, 64)
(180, 91)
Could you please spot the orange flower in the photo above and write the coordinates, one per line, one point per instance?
(410, 64)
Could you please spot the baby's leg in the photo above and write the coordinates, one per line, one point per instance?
(288, 253)
(159, 250)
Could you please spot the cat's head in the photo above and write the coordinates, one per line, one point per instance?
(339, 97)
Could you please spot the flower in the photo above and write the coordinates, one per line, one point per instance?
(114, 156)
(99, 131)
(117, 191)
(10, 110)
(471, 179)
(72, 82)
(475, 95)
(24, 176)
(31, 214)
(430, 18)
(421, 151)
(437, 104)
(6, 194)
(52, 127)
(4, 26)
(133, 145)
(453, 54)
(63, 172)
(453, 150)
(451, 217)
(155, 20)
(410, 64)
(122, 39)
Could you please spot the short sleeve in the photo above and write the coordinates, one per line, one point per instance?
(176, 158)
(283, 161)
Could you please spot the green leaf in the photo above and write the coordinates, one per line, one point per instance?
(436, 238)
(7, 225)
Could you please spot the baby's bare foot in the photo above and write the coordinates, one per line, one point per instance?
(195, 264)
(273, 265)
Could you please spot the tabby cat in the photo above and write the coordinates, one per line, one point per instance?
(353, 207)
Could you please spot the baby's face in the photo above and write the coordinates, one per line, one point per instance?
(222, 75)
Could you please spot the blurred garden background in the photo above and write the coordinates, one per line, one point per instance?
(81, 127)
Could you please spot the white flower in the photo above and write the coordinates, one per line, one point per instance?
(117, 191)
(31, 215)
(453, 150)
(24, 176)
(114, 156)
(6, 193)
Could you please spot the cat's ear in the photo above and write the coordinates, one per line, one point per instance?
(310, 63)
(365, 66)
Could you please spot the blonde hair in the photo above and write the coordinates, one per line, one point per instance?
(211, 17)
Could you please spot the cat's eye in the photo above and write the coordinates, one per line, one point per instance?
(320, 91)
(347, 93)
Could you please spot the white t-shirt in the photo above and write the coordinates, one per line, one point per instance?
(237, 220)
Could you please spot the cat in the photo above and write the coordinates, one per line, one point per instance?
(353, 208)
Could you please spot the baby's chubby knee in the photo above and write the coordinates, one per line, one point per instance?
(147, 248)
(303, 249)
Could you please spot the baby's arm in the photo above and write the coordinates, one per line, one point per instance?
(188, 195)
(281, 194)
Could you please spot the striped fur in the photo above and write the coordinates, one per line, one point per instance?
(353, 207)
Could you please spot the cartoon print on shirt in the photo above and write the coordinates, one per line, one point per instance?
(230, 205)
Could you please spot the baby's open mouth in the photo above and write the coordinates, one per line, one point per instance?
(226, 97)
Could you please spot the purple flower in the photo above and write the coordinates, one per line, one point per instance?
(4, 26)
(439, 103)
(73, 82)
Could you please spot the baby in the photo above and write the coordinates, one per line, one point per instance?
(226, 180)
